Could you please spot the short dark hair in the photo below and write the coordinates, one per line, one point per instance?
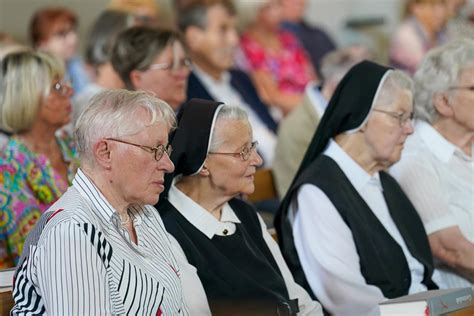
(137, 47)
(194, 12)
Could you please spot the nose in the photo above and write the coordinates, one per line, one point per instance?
(408, 127)
(166, 164)
(233, 37)
(70, 91)
(256, 159)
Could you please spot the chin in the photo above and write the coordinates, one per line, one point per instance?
(151, 200)
(248, 190)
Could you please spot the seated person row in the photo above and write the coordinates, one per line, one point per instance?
(38, 161)
(217, 236)
(347, 230)
(102, 249)
(297, 128)
(275, 58)
(314, 39)
(152, 60)
(437, 169)
(210, 33)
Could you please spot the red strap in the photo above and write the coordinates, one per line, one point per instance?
(54, 214)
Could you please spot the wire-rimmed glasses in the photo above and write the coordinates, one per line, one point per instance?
(158, 151)
(244, 154)
(176, 65)
(402, 117)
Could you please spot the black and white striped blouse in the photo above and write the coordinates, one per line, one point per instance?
(80, 261)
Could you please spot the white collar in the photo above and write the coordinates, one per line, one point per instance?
(358, 177)
(198, 216)
(208, 81)
(437, 144)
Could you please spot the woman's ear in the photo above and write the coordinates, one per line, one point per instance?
(441, 104)
(136, 79)
(204, 170)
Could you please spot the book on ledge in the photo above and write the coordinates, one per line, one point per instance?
(429, 303)
(6, 279)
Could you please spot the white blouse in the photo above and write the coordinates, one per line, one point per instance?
(326, 248)
(439, 180)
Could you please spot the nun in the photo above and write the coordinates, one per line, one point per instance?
(346, 229)
(238, 267)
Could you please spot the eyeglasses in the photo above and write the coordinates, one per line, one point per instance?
(244, 154)
(176, 65)
(62, 87)
(470, 88)
(402, 118)
(158, 151)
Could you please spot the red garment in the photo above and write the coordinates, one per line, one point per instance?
(290, 67)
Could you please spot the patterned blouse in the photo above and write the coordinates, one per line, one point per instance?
(290, 67)
(28, 186)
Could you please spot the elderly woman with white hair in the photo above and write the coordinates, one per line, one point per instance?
(101, 249)
(347, 230)
(238, 266)
(437, 167)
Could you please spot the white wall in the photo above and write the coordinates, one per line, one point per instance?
(332, 14)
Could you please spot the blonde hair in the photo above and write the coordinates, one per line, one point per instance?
(25, 79)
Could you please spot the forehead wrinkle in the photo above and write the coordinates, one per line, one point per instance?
(222, 131)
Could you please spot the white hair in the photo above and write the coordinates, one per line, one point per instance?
(226, 112)
(440, 70)
(394, 83)
(113, 113)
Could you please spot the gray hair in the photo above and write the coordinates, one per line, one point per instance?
(112, 113)
(440, 70)
(103, 33)
(395, 81)
(226, 112)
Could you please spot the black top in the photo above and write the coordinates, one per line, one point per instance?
(382, 261)
(234, 267)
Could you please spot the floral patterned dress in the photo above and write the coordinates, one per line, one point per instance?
(28, 186)
(290, 67)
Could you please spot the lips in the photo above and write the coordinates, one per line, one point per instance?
(160, 184)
